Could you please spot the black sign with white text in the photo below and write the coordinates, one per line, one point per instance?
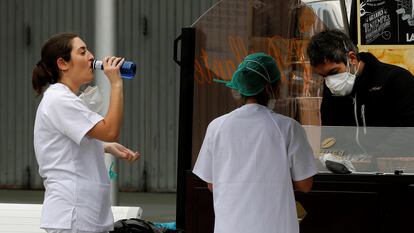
(387, 22)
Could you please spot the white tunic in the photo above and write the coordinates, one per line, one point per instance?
(71, 164)
(251, 156)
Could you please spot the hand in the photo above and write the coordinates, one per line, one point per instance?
(112, 66)
(121, 151)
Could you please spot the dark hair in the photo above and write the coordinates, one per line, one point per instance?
(46, 70)
(330, 45)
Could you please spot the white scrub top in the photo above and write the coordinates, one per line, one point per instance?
(71, 164)
(251, 156)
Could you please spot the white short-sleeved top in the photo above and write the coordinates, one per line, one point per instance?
(71, 164)
(251, 156)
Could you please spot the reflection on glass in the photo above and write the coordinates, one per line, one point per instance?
(332, 12)
(348, 6)
(374, 150)
(232, 29)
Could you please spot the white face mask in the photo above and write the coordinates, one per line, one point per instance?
(341, 84)
(92, 98)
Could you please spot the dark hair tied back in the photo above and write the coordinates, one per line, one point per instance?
(46, 70)
(41, 77)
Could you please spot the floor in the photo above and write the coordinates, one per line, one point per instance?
(158, 207)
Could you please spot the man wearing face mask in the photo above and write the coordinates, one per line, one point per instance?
(359, 90)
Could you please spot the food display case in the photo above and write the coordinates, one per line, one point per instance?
(374, 195)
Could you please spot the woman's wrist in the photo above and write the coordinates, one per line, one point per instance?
(105, 145)
(117, 84)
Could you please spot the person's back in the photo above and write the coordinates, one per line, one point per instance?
(251, 156)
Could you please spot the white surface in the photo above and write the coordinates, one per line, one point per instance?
(25, 218)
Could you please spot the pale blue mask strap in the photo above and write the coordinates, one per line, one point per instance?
(257, 72)
(267, 79)
(112, 174)
(345, 47)
(248, 60)
(220, 81)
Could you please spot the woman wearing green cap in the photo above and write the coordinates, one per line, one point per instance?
(251, 155)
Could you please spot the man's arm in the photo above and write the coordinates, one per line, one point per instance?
(210, 186)
(303, 185)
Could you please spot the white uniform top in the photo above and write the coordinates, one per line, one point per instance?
(251, 156)
(71, 164)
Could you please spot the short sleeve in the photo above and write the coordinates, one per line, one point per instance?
(71, 117)
(203, 167)
(300, 154)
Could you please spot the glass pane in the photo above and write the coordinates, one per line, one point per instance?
(332, 13)
(369, 150)
(232, 29)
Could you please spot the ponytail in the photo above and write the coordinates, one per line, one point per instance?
(46, 70)
(42, 77)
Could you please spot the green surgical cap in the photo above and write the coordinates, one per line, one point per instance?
(252, 75)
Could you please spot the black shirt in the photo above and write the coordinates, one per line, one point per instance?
(383, 95)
